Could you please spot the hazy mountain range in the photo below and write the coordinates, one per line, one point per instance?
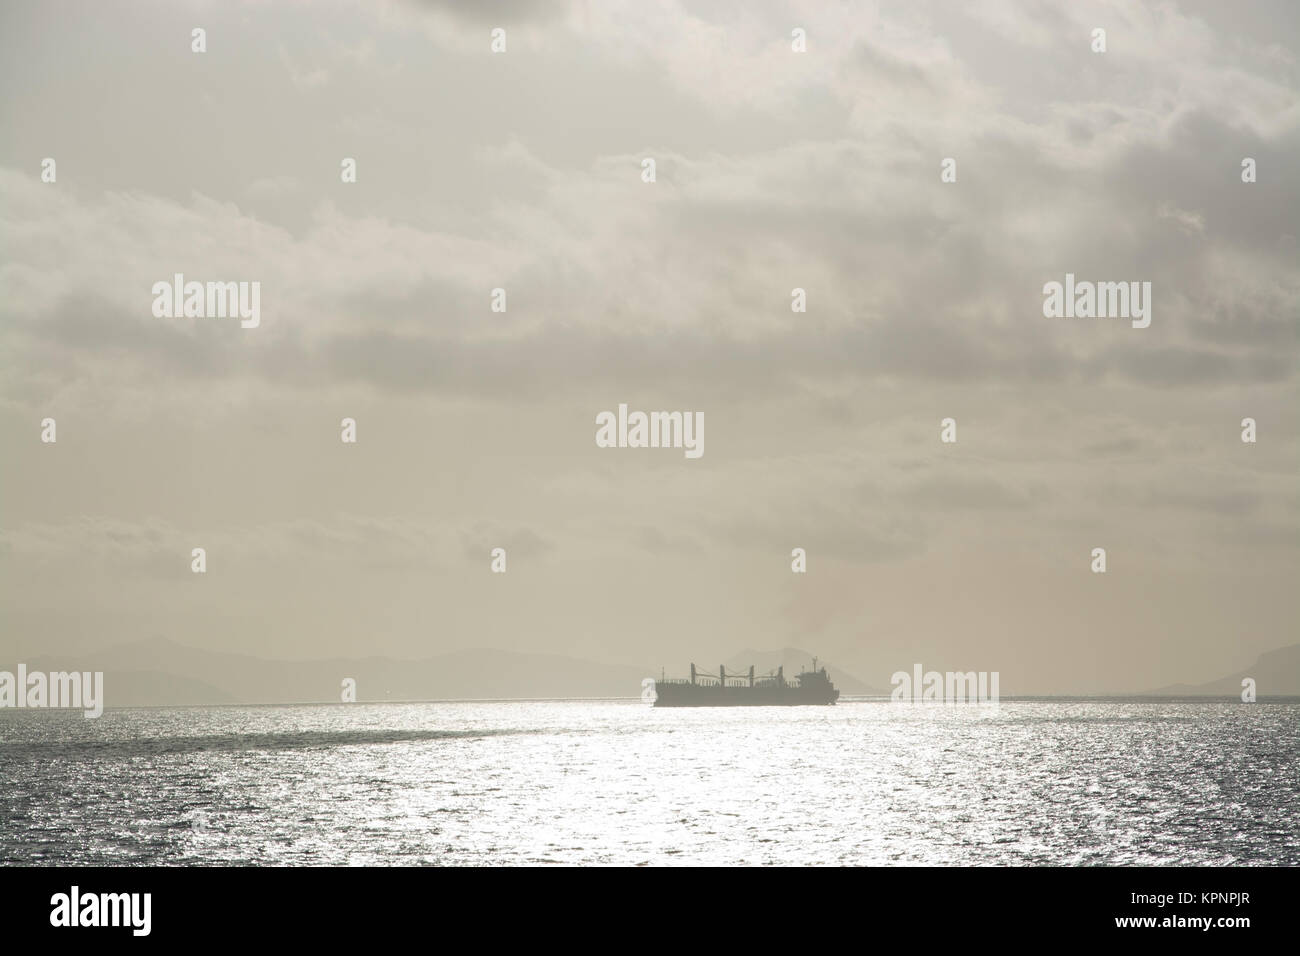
(160, 672)
(1276, 674)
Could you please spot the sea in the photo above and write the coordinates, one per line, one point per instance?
(1078, 782)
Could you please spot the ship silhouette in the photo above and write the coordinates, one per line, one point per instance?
(745, 690)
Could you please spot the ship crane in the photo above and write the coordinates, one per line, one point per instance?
(722, 676)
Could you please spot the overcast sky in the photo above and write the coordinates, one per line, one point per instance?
(775, 170)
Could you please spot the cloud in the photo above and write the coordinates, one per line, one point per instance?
(776, 170)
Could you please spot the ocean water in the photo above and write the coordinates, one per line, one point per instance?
(617, 782)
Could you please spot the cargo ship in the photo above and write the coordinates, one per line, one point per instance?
(745, 690)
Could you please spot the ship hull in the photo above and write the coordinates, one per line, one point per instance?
(697, 695)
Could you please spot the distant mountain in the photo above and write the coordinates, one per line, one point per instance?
(163, 672)
(1276, 674)
(795, 660)
(147, 688)
(160, 672)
